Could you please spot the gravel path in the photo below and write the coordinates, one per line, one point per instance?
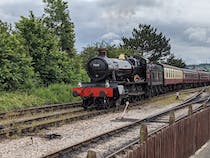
(72, 133)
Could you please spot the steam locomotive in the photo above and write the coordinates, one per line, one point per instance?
(115, 81)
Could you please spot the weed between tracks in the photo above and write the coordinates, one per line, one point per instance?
(208, 89)
(35, 126)
(169, 99)
(165, 99)
(29, 116)
(56, 122)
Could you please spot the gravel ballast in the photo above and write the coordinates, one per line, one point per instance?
(73, 133)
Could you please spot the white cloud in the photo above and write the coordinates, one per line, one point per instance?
(11, 2)
(208, 40)
(3, 2)
(192, 54)
(201, 35)
(116, 42)
(110, 36)
(197, 34)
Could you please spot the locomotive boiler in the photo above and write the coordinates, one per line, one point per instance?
(102, 68)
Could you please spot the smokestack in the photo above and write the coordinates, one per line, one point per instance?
(102, 52)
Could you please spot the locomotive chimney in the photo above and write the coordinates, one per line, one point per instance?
(102, 52)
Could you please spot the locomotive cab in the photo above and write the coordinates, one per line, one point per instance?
(139, 65)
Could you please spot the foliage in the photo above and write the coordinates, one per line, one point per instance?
(73, 71)
(50, 65)
(56, 93)
(31, 56)
(178, 62)
(15, 63)
(147, 42)
(57, 18)
(113, 51)
(17, 100)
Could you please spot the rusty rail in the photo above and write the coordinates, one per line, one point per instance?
(34, 110)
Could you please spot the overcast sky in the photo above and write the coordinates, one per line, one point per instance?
(185, 22)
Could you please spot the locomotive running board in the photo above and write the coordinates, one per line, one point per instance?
(136, 94)
(131, 83)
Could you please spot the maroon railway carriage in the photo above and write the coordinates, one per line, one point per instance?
(204, 77)
(190, 76)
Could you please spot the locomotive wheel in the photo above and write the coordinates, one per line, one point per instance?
(105, 103)
(102, 103)
(107, 106)
(87, 103)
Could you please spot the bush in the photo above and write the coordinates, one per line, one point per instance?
(16, 71)
(56, 93)
(18, 100)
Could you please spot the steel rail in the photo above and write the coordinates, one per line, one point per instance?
(33, 110)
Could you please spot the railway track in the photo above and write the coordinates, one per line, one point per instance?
(39, 109)
(23, 127)
(122, 149)
(55, 107)
(75, 149)
(23, 122)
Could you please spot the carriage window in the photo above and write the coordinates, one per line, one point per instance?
(169, 73)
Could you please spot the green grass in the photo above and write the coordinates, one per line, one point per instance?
(170, 99)
(208, 90)
(56, 93)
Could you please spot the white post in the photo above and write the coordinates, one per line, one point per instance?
(126, 107)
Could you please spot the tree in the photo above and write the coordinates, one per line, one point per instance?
(147, 42)
(113, 51)
(50, 64)
(43, 48)
(57, 18)
(16, 71)
(178, 62)
(77, 71)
